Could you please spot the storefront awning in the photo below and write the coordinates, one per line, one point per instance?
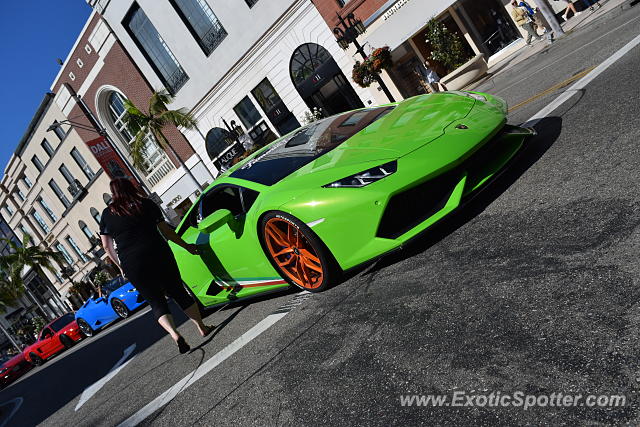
(399, 20)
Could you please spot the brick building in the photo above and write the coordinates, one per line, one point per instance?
(100, 71)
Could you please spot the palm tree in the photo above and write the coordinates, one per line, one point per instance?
(28, 255)
(10, 292)
(153, 122)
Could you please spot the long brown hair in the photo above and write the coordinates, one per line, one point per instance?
(126, 198)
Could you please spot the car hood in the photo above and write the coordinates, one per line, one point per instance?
(411, 125)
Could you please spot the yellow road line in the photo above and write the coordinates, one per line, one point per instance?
(553, 88)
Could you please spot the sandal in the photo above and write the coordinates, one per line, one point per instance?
(210, 328)
(183, 347)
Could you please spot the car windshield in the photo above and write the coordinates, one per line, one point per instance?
(306, 144)
(112, 285)
(62, 322)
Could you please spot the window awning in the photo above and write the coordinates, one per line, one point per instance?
(397, 22)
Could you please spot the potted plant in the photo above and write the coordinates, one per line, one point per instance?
(366, 72)
(447, 50)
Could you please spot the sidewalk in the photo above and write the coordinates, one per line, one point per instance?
(523, 52)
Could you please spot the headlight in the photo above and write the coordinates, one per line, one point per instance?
(367, 177)
(132, 290)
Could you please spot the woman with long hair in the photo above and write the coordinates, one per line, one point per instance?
(133, 222)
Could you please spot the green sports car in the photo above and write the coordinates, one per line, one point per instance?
(341, 191)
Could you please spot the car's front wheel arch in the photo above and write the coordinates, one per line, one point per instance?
(312, 252)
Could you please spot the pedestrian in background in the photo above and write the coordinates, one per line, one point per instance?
(590, 3)
(570, 7)
(521, 17)
(541, 22)
(134, 223)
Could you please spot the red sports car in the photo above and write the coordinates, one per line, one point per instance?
(13, 369)
(57, 336)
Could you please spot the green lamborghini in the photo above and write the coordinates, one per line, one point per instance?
(341, 191)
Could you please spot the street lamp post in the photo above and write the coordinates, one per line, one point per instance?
(351, 29)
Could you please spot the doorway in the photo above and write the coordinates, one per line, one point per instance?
(320, 82)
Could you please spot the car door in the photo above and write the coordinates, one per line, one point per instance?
(231, 250)
(48, 344)
(102, 312)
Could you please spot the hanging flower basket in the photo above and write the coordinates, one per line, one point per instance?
(366, 72)
(363, 74)
(381, 59)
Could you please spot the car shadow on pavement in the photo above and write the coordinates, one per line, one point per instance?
(548, 129)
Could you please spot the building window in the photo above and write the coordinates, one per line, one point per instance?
(20, 194)
(247, 112)
(153, 155)
(46, 146)
(43, 225)
(82, 163)
(87, 232)
(27, 181)
(72, 76)
(95, 214)
(57, 129)
(80, 63)
(87, 48)
(75, 248)
(9, 209)
(66, 173)
(155, 50)
(37, 163)
(251, 3)
(201, 22)
(56, 189)
(24, 230)
(47, 209)
(67, 256)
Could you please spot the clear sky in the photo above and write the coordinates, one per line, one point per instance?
(33, 33)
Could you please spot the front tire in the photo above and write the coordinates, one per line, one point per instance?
(120, 308)
(297, 253)
(35, 359)
(85, 328)
(66, 341)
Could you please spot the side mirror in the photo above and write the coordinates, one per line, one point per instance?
(215, 221)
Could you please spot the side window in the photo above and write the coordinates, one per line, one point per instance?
(46, 333)
(221, 198)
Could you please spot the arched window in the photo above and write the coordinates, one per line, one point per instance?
(95, 214)
(111, 109)
(217, 141)
(152, 153)
(306, 59)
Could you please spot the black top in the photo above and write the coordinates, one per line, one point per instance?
(134, 233)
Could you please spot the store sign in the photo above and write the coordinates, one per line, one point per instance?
(109, 160)
(392, 11)
(225, 161)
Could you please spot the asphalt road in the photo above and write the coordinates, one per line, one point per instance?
(532, 287)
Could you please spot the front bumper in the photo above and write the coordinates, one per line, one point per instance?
(382, 216)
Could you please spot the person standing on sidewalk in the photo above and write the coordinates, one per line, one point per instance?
(523, 20)
(134, 223)
(570, 7)
(590, 3)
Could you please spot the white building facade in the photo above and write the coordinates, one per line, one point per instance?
(245, 67)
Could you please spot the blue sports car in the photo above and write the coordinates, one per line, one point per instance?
(119, 299)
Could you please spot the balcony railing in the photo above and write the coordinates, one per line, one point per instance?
(176, 80)
(161, 170)
(213, 38)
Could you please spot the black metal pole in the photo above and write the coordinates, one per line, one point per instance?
(100, 130)
(353, 35)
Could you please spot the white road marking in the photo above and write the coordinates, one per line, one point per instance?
(582, 83)
(90, 391)
(18, 403)
(207, 366)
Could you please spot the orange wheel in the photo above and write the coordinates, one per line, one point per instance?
(296, 252)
